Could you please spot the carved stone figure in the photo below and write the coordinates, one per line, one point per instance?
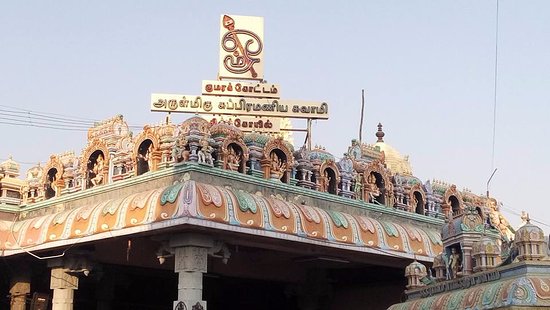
(97, 171)
(179, 151)
(326, 181)
(233, 159)
(278, 166)
(454, 264)
(205, 152)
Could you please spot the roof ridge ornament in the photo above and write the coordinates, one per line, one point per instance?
(525, 217)
(380, 134)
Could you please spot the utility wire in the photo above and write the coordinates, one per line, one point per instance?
(31, 115)
(23, 117)
(50, 114)
(518, 213)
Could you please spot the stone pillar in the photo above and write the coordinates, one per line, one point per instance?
(63, 286)
(467, 268)
(111, 167)
(191, 252)
(20, 287)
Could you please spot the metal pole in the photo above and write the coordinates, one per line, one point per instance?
(362, 110)
(309, 134)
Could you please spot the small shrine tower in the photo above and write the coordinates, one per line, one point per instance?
(414, 272)
(529, 240)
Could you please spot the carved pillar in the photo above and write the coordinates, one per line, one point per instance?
(156, 159)
(63, 286)
(265, 164)
(467, 268)
(20, 287)
(111, 167)
(191, 253)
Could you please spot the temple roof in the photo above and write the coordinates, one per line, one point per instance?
(216, 207)
(526, 290)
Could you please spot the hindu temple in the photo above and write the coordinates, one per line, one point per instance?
(227, 213)
(201, 213)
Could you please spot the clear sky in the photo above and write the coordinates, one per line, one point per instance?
(427, 68)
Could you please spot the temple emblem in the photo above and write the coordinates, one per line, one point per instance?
(241, 47)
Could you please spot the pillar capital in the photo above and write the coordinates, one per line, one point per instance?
(190, 239)
(191, 259)
(19, 290)
(60, 279)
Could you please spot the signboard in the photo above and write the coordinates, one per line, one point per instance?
(241, 47)
(249, 123)
(224, 105)
(241, 89)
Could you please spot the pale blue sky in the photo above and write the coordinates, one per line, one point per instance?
(427, 68)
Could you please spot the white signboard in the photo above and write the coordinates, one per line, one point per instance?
(249, 123)
(241, 89)
(241, 47)
(238, 106)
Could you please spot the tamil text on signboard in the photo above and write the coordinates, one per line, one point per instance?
(239, 106)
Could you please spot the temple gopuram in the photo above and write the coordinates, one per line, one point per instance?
(221, 212)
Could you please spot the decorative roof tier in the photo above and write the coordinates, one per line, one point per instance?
(218, 207)
(225, 129)
(10, 167)
(319, 154)
(113, 153)
(195, 124)
(256, 138)
(470, 221)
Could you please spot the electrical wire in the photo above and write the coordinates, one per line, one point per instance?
(518, 213)
(24, 117)
(50, 114)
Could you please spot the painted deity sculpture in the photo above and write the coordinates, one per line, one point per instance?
(205, 153)
(97, 171)
(179, 151)
(278, 166)
(233, 159)
(454, 264)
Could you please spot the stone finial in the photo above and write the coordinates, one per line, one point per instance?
(380, 134)
(525, 217)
